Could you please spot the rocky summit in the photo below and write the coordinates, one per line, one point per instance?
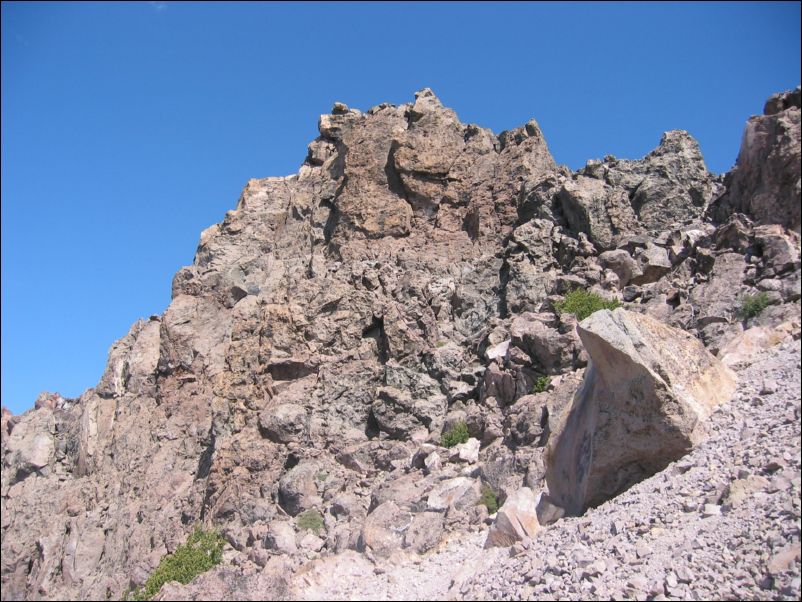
(436, 364)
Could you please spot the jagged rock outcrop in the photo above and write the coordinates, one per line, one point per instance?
(340, 319)
(765, 182)
(614, 198)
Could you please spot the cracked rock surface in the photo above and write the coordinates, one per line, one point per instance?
(404, 284)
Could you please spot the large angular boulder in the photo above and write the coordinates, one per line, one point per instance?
(459, 493)
(646, 394)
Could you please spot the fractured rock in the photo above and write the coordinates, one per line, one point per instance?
(647, 390)
(516, 520)
(384, 529)
(459, 493)
(765, 182)
(283, 422)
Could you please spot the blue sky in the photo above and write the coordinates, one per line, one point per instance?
(128, 128)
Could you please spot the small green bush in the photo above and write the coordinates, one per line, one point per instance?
(456, 435)
(311, 520)
(203, 550)
(582, 303)
(541, 384)
(489, 499)
(752, 305)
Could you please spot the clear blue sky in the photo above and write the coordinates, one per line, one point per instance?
(128, 128)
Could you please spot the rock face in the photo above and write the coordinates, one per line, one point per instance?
(765, 182)
(340, 320)
(611, 199)
(647, 392)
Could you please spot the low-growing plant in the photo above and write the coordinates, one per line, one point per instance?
(311, 520)
(489, 499)
(752, 305)
(582, 303)
(203, 550)
(541, 384)
(455, 435)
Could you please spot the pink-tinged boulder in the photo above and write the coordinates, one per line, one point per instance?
(516, 520)
(646, 394)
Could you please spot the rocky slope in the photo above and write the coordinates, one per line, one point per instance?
(340, 319)
(721, 523)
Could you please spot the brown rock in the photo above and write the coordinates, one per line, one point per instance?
(765, 182)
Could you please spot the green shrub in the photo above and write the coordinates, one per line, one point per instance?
(752, 305)
(203, 550)
(489, 499)
(311, 520)
(582, 303)
(541, 384)
(456, 435)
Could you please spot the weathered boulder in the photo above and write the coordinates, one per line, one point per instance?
(600, 211)
(30, 446)
(297, 489)
(398, 414)
(646, 393)
(466, 452)
(654, 264)
(283, 422)
(384, 529)
(743, 346)
(425, 531)
(516, 520)
(459, 493)
(550, 350)
(280, 537)
(527, 420)
(622, 264)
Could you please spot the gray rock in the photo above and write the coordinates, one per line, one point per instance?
(622, 263)
(384, 528)
(458, 493)
(425, 531)
(283, 423)
(280, 537)
(646, 393)
(297, 489)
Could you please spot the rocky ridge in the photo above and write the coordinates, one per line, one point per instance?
(340, 319)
